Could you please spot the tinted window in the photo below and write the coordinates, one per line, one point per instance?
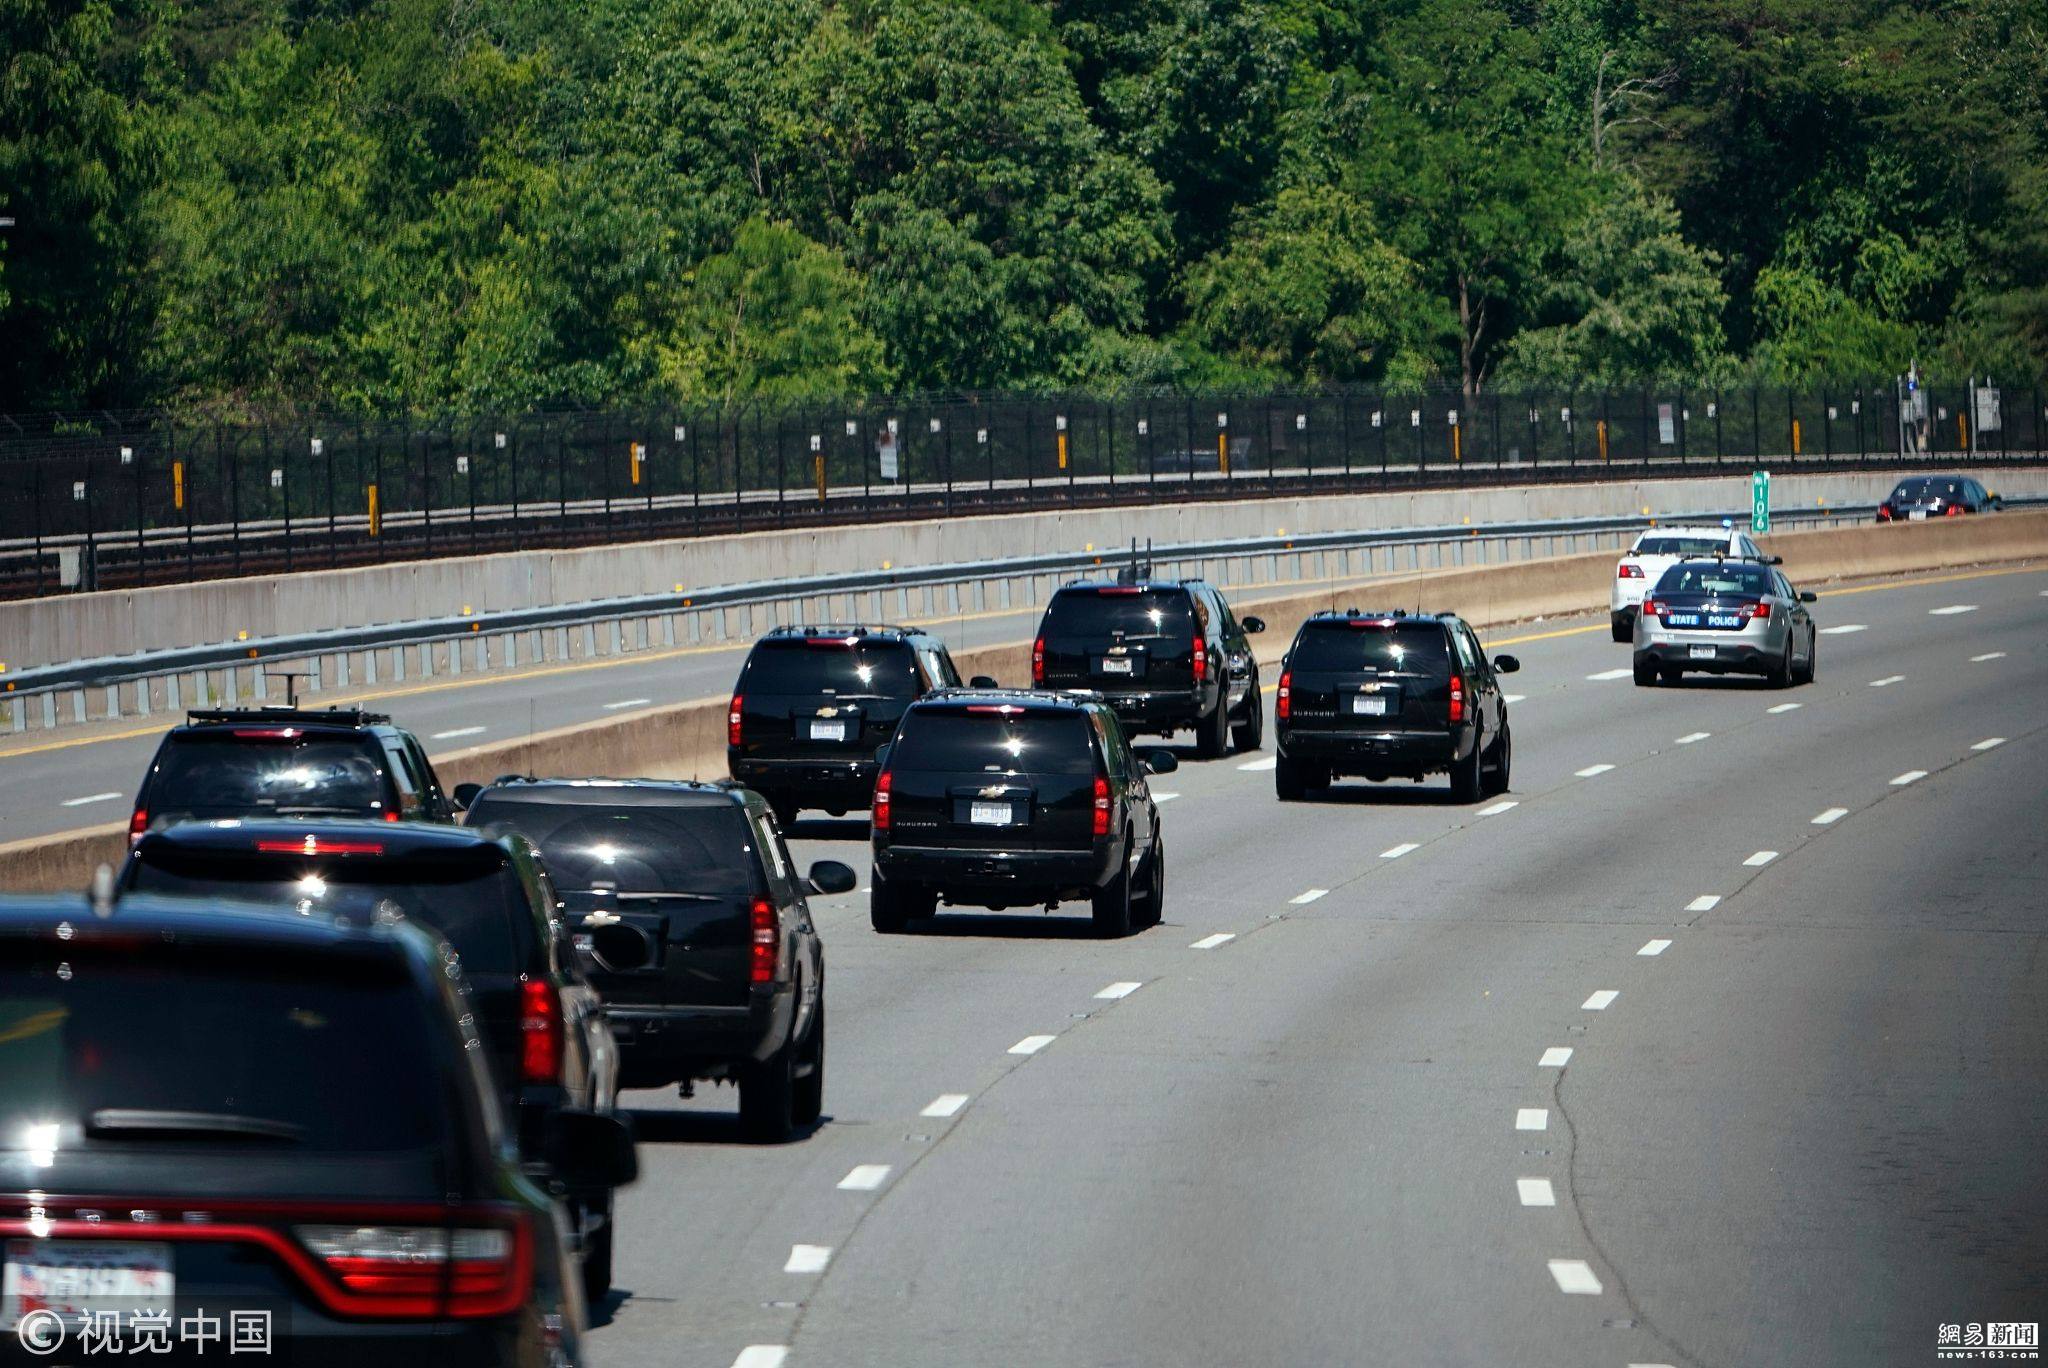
(1036, 742)
(1710, 577)
(477, 904)
(207, 772)
(828, 666)
(1680, 546)
(1134, 612)
(1372, 644)
(173, 1028)
(638, 849)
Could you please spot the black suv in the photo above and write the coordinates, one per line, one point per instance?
(1391, 695)
(698, 930)
(1165, 654)
(221, 1127)
(1011, 798)
(814, 704)
(541, 1021)
(288, 762)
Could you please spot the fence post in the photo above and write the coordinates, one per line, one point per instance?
(235, 499)
(141, 459)
(284, 487)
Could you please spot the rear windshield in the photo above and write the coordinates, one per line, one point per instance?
(1680, 546)
(334, 1061)
(1928, 489)
(1372, 644)
(1034, 742)
(220, 772)
(482, 911)
(636, 849)
(1134, 612)
(1711, 577)
(879, 669)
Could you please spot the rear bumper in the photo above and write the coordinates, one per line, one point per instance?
(1371, 753)
(843, 784)
(1158, 710)
(1751, 651)
(999, 878)
(660, 1044)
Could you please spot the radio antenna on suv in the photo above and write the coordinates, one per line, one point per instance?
(1138, 570)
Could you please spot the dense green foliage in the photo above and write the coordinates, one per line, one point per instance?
(239, 206)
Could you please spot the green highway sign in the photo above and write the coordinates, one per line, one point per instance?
(1760, 501)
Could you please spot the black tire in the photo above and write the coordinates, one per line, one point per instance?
(1155, 885)
(1803, 674)
(887, 911)
(1646, 674)
(597, 1257)
(1112, 902)
(1780, 676)
(1250, 734)
(1212, 733)
(1290, 780)
(1671, 674)
(809, 1102)
(785, 813)
(1500, 767)
(1624, 627)
(768, 1096)
(1465, 778)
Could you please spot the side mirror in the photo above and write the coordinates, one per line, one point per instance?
(1161, 762)
(1506, 664)
(1808, 596)
(830, 876)
(588, 1149)
(1252, 625)
(466, 796)
(1774, 560)
(983, 682)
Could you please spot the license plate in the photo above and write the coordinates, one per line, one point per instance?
(1917, 515)
(990, 814)
(1683, 619)
(72, 1277)
(1702, 653)
(1723, 620)
(1116, 665)
(828, 731)
(1370, 704)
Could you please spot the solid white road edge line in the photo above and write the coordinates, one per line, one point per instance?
(1655, 947)
(1830, 817)
(1575, 1276)
(1600, 1001)
(1532, 1118)
(808, 1258)
(1211, 942)
(865, 1178)
(1535, 1192)
(945, 1104)
(1556, 1057)
(1118, 990)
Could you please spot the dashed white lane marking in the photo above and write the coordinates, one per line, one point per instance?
(1831, 816)
(1211, 942)
(90, 798)
(1535, 1192)
(865, 1178)
(1612, 674)
(1164, 797)
(1783, 708)
(627, 703)
(1900, 781)
(1761, 858)
(1264, 764)
(1649, 1365)
(459, 731)
(1498, 808)
(1556, 1057)
(1118, 990)
(1398, 851)
(762, 1356)
(1988, 655)
(1988, 742)
(1886, 682)
(1655, 948)
(1512, 698)
(1600, 1001)
(1589, 771)
(1532, 1118)
(945, 1104)
(1844, 629)
(1952, 610)
(808, 1258)
(1690, 737)
(1575, 1276)
(1031, 1044)
(1304, 898)
(1705, 902)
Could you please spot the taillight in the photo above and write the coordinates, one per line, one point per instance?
(138, 825)
(391, 816)
(1759, 609)
(732, 721)
(1627, 571)
(1283, 707)
(1953, 511)
(1038, 662)
(1101, 806)
(1652, 608)
(1884, 512)
(881, 805)
(1201, 661)
(419, 1272)
(1457, 698)
(765, 948)
(540, 1032)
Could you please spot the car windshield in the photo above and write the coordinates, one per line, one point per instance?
(1680, 546)
(1381, 645)
(631, 848)
(828, 665)
(181, 1044)
(1134, 612)
(223, 772)
(986, 738)
(1714, 577)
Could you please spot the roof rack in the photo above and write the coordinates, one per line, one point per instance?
(327, 717)
(838, 630)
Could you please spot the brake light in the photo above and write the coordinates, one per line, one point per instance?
(1653, 608)
(1626, 570)
(540, 1032)
(313, 845)
(1101, 806)
(417, 1272)
(1759, 609)
(391, 816)
(732, 721)
(1283, 705)
(1201, 660)
(1038, 662)
(1953, 511)
(267, 733)
(1457, 698)
(765, 949)
(138, 825)
(881, 805)
(1884, 512)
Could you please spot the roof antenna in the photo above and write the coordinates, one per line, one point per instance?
(101, 891)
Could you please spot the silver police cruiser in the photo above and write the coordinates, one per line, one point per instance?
(1725, 615)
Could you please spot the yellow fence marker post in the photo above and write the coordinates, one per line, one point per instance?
(1795, 436)
(635, 449)
(1063, 450)
(1602, 430)
(374, 520)
(1962, 434)
(1223, 452)
(177, 484)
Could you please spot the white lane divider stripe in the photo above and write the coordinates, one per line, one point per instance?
(1654, 948)
(1513, 698)
(762, 1356)
(1988, 742)
(1690, 737)
(1498, 808)
(1031, 1045)
(945, 1104)
(1705, 902)
(1900, 781)
(459, 731)
(627, 703)
(1266, 763)
(1988, 655)
(865, 1178)
(1591, 770)
(1783, 708)
(1556, 1057)
(1164, 797)
(1532, 1118)
(1118, 990)
(1886, 682)
(1612, 674)
(1575, 1276)
(1600, 1001)
(1952, 610)
(90, 798)
(1305, 898)
(808, 1258)
(1761, 858)
(1398, 851)
(1831, 816)
(1535, 1192)
(1844, 629)
(1211, 942)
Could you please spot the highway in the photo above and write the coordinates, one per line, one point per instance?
(1718, 1041)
